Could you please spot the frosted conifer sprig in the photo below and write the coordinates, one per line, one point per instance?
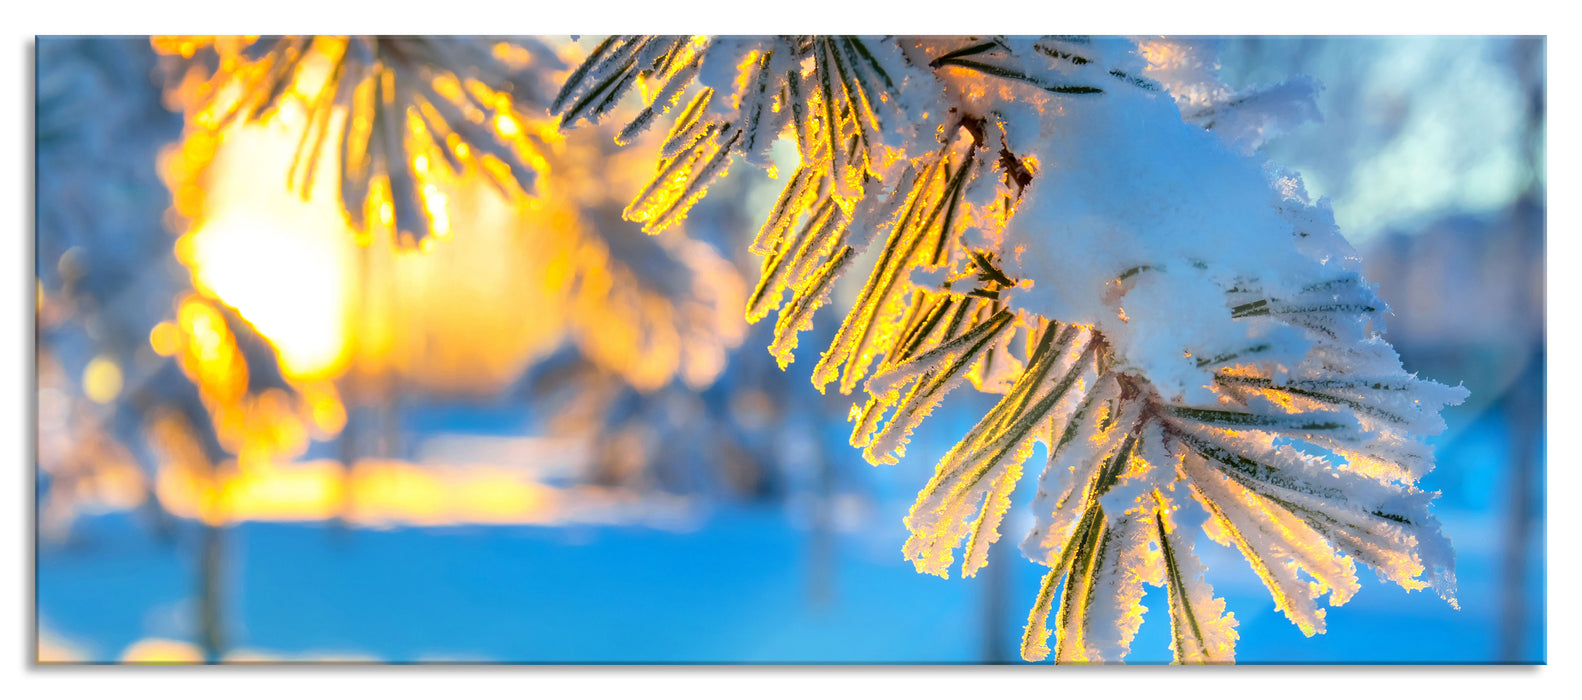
(1185, 333)
(391, 108)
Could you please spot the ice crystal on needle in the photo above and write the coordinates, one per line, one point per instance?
(1077, 224)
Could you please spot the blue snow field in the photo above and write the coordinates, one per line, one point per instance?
(740, 588)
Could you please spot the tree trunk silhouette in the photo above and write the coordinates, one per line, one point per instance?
(1524, 401)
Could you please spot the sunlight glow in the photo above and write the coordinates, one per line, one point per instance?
(377, 493)
(288, 280)
(282, 264)
(162, 651)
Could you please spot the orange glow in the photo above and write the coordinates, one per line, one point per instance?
(291, 267)
(162, 651)
(436, 205)
(281, 264)
(101, 379)
(448, 318)
(507, 126)
(54, 649)
(211, 357)
(382, 493)
(240, 259)
(165, 339)
(1161, 53)
(325, 407)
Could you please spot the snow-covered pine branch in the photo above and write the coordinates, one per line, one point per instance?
(1079, 225)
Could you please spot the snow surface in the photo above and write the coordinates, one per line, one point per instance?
(1129, 185)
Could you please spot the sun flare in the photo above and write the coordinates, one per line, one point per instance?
(239, 258)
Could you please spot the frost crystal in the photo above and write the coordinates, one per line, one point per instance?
(1079, 225)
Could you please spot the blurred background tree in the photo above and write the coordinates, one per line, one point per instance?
(380, 355)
